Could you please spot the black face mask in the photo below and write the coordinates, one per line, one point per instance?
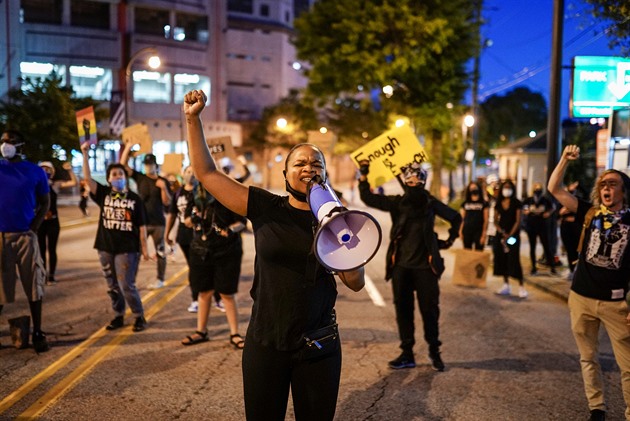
(538, 193)
(416, 195)
(298, 195)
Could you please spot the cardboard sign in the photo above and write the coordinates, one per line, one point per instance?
(389, 152)
(138, 134)
(86, 126)
(471, 268)
(222, 151)
(173, 163)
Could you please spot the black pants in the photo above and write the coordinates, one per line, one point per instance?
(268, 375)
(570, 233)
(540, 231)
(47, 237)
(472, 240)
(425, 284)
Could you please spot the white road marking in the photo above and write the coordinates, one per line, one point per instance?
(372, 291)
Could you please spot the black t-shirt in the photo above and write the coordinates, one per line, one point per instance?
(178, 208)
(473, 218)
(122, 215)
(603, 270)
(507, 217)
(208, 215)
(151, 196)
(536, 209)
(292, 292)
(413, 252)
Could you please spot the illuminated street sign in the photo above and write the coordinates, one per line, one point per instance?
(600, 84)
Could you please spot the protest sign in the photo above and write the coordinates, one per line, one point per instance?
(86, 125)
(389, 152)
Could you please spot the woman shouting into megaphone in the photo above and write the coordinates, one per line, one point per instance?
(292, 340)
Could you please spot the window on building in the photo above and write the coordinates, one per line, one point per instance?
(42, 11)
(184, 82)
(287, 17)
(264, 10)
(151, 86)
(191, 27)
(89, 14)
(34, 71)
(300, 6)
(242, 6)
(151, 21)
(93, 82)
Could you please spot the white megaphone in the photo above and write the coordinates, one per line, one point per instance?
(345, 239)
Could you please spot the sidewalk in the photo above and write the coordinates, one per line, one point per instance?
(70, 216)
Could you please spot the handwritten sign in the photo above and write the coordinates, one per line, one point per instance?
(138, 134)
(389, 152)
(86, 126)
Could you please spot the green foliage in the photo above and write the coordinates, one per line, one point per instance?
(617, 14)
(505, 118)
(44, 112)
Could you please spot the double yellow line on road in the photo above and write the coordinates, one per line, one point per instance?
(67, 383)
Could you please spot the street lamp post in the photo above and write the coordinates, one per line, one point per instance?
(469, 153)
(154, 63)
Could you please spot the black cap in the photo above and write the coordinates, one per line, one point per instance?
(149, 159)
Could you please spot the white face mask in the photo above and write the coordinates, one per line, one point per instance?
(507, 192)
(8, 150)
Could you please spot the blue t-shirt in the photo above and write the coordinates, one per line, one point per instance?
(21, 183)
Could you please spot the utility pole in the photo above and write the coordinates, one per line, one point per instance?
(475, 91)
(554, 142)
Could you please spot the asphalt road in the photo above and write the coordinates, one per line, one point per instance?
(506, 358)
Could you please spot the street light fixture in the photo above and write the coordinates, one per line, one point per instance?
(153, 62)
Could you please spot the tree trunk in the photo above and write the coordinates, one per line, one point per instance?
(436, 163)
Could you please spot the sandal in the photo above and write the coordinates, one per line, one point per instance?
(195, 338)
(237, 344)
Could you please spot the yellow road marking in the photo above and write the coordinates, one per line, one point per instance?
(45, 374)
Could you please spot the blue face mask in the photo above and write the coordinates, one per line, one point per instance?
(118, 184)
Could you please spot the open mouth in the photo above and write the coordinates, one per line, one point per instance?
(305, 180)
(606, 196)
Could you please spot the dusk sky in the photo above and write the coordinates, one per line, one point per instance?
(520, 54)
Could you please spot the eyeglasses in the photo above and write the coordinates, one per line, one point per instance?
(608, 183)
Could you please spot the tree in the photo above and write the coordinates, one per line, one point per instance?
(419, 48)
(505, 118)
(617, 14)
(44, 112)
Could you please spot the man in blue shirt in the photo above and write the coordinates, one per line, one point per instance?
(25, 200)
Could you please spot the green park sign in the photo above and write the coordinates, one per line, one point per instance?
(600, 85)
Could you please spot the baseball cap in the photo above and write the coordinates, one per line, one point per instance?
(149, 159)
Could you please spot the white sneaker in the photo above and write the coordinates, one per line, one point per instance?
(157, 285)
(504, 291)
(193, 307)
(522, 293)
(219, 306)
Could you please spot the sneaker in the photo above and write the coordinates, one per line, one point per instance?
(403, 361)
(39, 342)
(597, 415)
(140, 324)
(219, 306)
(193, 307)
(436, 361)
(522, 293)
(51, 280)
(157, 285)
(505, 290)
(534, 272)
(116, 323)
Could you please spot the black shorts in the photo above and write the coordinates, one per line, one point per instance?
(219, 274)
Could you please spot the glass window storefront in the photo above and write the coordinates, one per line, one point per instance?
(94, 82)
(151, 87)
(34, 70)
(183, 82)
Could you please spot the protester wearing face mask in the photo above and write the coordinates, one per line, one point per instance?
(507, 244)
(184, 237)
(24, 194)
(537, 210)
(48, 232)
(413, 259)
(120, 238)
(474, 213)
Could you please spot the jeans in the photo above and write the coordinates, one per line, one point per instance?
(156, 232)
(120, 273)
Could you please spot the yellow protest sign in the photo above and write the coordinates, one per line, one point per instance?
(389, 152)
(86, 125)
(172, 163)
(138, 134)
